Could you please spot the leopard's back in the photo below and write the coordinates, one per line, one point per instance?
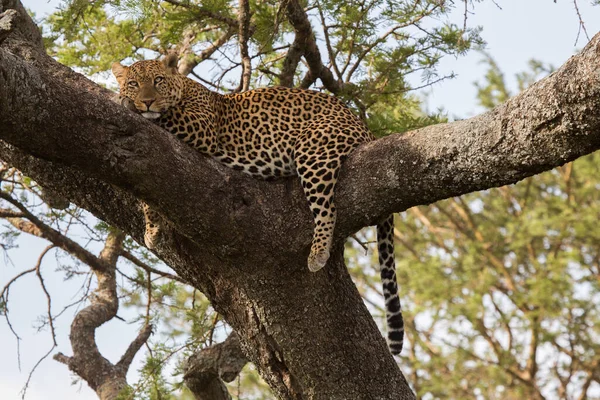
(262, 128)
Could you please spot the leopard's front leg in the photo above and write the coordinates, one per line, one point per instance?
(152, 220)
(125, 102)
(153, 226)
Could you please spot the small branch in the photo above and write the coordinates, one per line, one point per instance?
(189, 60)
(37, 364)
(5, 289)
(308, 43)
(5, 213)
(149, 300)
(581, 24)
(61, 358)
(134, 347)
(137, 262)
(361, 243)
(498, 5)
(381, 39)
(243, 37)
(331, 53)
(43, 285)
(50, 319)
(34, 226)
(465, 15)
(211, 334)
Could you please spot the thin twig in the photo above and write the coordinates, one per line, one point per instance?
(136, 261)
(43, 285)
(24, 390)
(50, 319)
(581, 24)
(149, 289)
(361, 243)
(465, 15)
(4, 296)
(212, 329)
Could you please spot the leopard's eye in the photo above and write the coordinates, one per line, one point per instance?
(158, 79)
(132, 84)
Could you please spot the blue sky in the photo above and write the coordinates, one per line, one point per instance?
(521, 30)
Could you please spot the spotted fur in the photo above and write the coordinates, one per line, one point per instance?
(270, 132)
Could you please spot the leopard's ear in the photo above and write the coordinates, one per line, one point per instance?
(170, 62)
(120, 72)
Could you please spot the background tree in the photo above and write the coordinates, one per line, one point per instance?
(371, 77)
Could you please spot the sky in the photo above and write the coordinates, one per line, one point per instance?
(519, 31)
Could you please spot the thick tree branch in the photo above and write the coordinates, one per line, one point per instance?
(206, 370)
(542, 128)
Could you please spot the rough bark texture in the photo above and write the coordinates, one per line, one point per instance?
(206, 370)
(245, 242)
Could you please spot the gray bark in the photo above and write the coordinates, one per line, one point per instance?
(245, 242)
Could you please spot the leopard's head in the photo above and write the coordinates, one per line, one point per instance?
(153, 85)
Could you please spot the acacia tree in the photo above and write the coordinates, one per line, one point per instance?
(309, 334)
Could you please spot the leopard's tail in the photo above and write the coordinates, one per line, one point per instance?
(393, 311)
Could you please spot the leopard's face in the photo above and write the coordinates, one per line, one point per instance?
(154, 86)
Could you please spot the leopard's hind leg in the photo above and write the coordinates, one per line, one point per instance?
(318, 155)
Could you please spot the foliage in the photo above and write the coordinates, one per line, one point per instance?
(374, 47)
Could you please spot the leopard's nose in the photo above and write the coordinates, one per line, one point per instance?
(148, 103)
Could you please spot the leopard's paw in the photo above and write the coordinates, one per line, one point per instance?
(317, 260)
(151, 238)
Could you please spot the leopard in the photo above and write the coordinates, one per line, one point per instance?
(273, 132)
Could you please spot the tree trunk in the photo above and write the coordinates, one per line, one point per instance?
(244, 242)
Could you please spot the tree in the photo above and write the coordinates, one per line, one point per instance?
(103, 166)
